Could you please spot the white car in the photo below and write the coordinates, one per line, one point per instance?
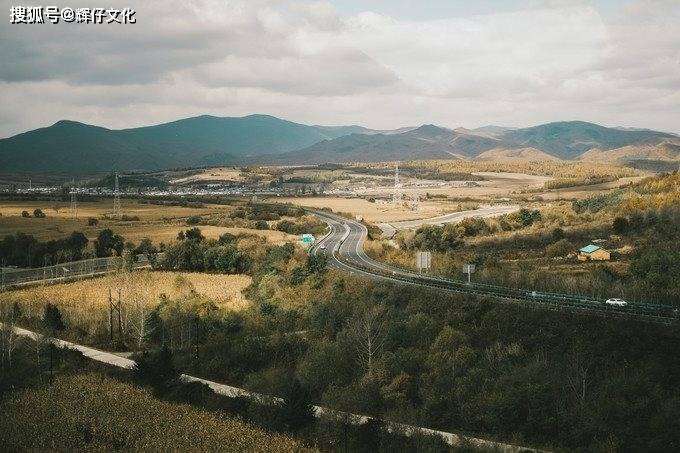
(322, 247)
(616, 302)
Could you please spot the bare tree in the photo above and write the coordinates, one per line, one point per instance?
(368, 332)
(139, 290)
(8, 337)
(579, 377)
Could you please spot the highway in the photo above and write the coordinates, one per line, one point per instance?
(488, 211)
(343, 246)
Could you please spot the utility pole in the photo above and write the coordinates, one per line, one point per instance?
(116, 199)
(74, 202)
(115, 307)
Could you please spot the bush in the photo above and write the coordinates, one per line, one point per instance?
(194, 220)
(297, 411)
(91, 221)
(25, 214)
(155, 368)
(560, 248)
(620, 225)
(38, 214)
(52, 319)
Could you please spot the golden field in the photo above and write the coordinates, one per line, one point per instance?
(90, 298)
(153, 219)
(156, 222)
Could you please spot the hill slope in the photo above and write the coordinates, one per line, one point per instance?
(563, 140)
(425, 142)
(73, 147)
(570, 139)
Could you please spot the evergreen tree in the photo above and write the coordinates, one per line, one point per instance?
(296, 410)
(52, 319)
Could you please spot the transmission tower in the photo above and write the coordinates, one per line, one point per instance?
(396, 195)
(415, 201)
(116, 199)
(74, 203)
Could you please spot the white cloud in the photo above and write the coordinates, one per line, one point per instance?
(303, 61)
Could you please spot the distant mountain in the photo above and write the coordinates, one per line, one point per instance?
(553, 141)
(664, 151)
(515, 154)
(424, 142)
(491, 130)
(78, 148)
(570, 139)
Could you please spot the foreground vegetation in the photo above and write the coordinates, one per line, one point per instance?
(92, 412)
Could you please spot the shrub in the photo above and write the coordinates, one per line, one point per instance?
(52, 319)
(38, 214)
(560, 248)
(194, 220)
(155, 368)
(91, 221)
(25, 214)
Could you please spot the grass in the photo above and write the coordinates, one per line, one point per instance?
(85, 303)
(96, 413)
(159, 223)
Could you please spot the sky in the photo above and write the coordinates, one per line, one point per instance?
(382, 64)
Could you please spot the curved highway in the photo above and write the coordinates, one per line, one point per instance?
(343, 246)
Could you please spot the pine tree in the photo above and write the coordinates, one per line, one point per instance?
(297, 410)
(52, 319)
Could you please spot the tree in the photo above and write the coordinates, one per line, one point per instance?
(317, 264)
(194, 220)
(368, 333)
(557, 234)
(193, 234)
(225, 259)
(91, 221)
(52, 319)
(38, 214)
(155, 368)
(128, 260)
(25, 214)
(297, 410)
(186, 255)
(107, 243)
(560, 248)
(620, 225)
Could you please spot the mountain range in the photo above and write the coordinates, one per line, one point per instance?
(78, 148)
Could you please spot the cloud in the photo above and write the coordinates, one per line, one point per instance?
(304, 61)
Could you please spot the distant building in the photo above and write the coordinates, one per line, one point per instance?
(593, 252)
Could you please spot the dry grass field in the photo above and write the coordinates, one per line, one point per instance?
(212, 174)
(97, 209)
(153, 219)
(89, 298)
(156, 222)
